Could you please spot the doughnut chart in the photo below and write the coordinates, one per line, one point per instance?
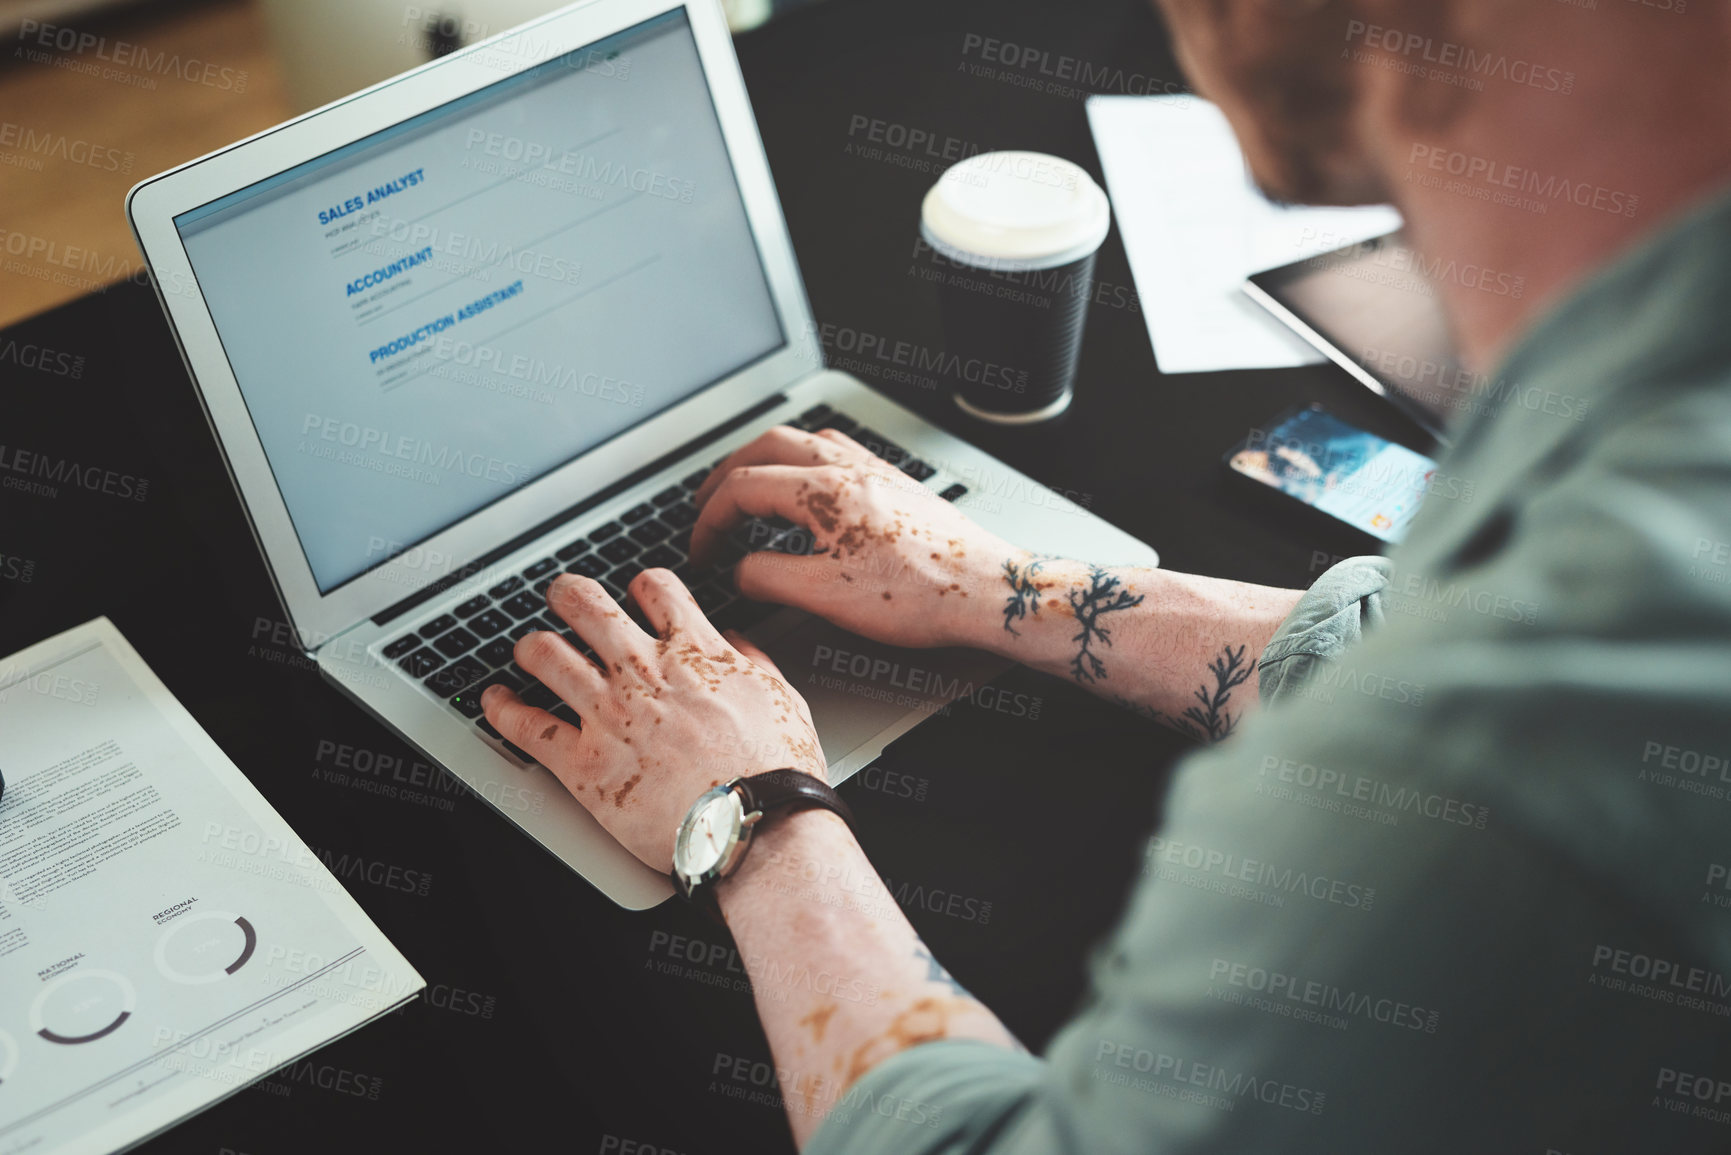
(205, 948)
(82, 1007)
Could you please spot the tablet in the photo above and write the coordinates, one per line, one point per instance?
(1372, 308)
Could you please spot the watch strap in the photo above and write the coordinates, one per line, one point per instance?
(778, 789)
(763, 794)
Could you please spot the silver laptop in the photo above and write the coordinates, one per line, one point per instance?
(492, 321)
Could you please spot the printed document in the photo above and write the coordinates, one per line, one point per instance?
(165, 938)
(1195, 227)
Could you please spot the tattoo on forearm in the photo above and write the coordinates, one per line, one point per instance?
(935, 972)
(1209, 720)
(1024, 599)
(1104, 595)
(1210, 716)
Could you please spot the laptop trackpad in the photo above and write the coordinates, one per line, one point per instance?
(864, 695)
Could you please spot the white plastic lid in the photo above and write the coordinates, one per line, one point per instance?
(1014, 212)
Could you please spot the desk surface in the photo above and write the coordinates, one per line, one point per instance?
(552, 1016)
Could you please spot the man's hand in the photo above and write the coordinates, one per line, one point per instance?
(664, 716)
(893, 561)
(901, 565)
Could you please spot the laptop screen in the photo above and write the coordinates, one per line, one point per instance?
(423, 321)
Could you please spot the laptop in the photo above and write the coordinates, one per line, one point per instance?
(494, 320)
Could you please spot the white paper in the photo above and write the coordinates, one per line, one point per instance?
(165, 938)
(1195, 226)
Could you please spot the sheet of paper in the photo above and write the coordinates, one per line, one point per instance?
(165, 938)
(1195, 226)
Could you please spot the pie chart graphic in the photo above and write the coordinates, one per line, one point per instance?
(205, 948)
(8, 1057)
(82, 1007)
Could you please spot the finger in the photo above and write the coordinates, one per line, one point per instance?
(853, 448)
(783, 578)
(783, 445)
(749, 648)
(758, 491)
(553, 660)
(591, 611)
(668, 606)
(542, 736)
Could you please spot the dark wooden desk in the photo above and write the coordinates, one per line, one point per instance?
(553, 1019)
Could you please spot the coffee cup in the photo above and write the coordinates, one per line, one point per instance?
(1009, 238)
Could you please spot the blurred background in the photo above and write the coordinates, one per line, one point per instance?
(96, 95)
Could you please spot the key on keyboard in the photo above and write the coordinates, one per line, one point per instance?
(651, 532)
(456, 676)
(522, 605)
(489, 623)
(437, 626)
(619, 549)
(456, 643)
(592, 566)
(421, 663)
(498, 651)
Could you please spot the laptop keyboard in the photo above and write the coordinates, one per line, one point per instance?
(457, 655)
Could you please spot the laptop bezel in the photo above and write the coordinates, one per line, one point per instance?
(153, 204)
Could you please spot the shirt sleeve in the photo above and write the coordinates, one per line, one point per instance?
(1330, 618)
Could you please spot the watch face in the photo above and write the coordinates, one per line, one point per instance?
(709, 833)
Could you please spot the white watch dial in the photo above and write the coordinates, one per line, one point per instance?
(711, 832)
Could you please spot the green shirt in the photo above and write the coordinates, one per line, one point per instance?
(1462, 887)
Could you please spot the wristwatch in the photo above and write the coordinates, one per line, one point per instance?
(717, 830)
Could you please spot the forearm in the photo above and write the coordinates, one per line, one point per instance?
(841, 980)
(1175, 647)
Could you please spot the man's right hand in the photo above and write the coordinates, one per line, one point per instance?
(892, 560)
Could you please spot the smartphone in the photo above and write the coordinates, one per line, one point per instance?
(1338, 470)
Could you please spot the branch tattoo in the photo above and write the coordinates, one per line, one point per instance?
(1208, 720)
(935, 972)
(1024, 599)
(1103, 595)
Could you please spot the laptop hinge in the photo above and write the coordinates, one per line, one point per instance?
(397, 609)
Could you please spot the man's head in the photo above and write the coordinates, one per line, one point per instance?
(1326, 96)
(1273, 67)
(1567, 129)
